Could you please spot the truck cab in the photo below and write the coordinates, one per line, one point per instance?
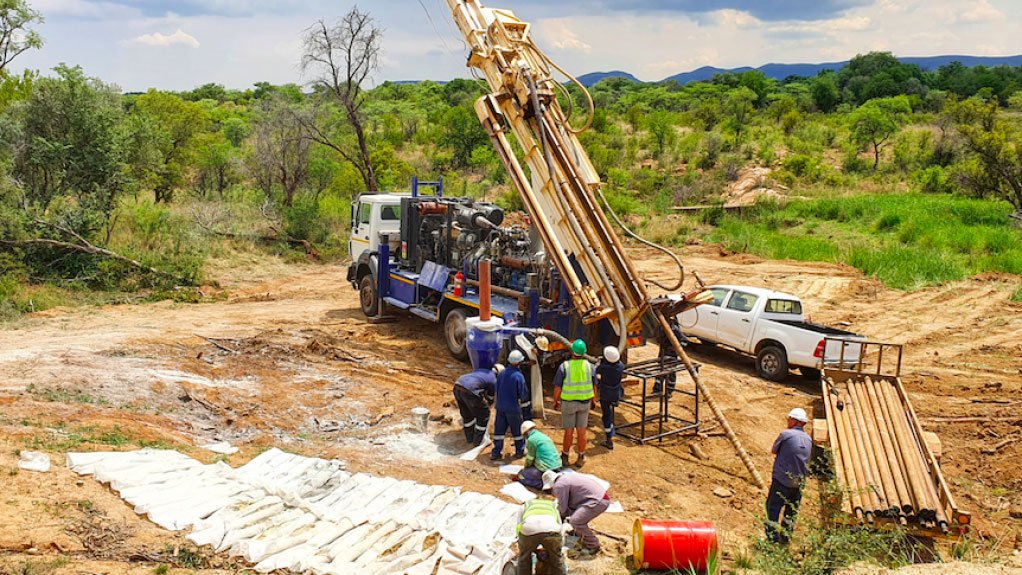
(373, 216)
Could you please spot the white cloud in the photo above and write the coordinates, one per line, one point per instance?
(557, 34)
(158, 39)
(982, 11)
(845, 24)
(736, 19)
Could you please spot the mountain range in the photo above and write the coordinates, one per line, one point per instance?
(782, 71)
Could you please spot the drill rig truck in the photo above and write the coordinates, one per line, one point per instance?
(565, 270)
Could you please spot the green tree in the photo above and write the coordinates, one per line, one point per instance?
(16, 32)
(235, 130)
(66, 153)
(826, 95)
(992, 147)
(739, 106)
(462, 132)
(214, 163)
(178, 123)
(660, 126)
(874, 122)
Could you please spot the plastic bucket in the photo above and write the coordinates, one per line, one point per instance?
(681, 545)
(420, 419)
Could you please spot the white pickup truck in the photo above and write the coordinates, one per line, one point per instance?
(770, 326)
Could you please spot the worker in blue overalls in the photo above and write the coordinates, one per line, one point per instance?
(510, 394)
(473, 392)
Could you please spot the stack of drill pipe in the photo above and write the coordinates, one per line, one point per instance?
(879, 458)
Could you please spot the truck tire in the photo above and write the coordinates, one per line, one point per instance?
(368, 299)
(772, 363)
(456, 334)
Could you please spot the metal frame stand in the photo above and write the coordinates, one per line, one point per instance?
(648, 371)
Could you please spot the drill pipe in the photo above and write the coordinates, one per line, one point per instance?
(874, 464)
(928, 505)
(840, 441)
(836, 452)
(862, 478)
(895, 494)
(898, 465)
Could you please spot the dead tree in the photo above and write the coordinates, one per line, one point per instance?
(280, 151)
(341, 58)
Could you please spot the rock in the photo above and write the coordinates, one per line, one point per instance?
(1016, 511)
(723, 492)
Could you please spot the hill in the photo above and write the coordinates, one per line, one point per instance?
(594, 77)
(782, 71)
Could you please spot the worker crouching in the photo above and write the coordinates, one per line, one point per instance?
(539, 525)
(510, 394)
(472, 392)
(580, 499)
(540, 456)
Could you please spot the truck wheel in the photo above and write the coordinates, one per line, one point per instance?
(772, 363)
(367, 296)
(456, 333)
(810, 373)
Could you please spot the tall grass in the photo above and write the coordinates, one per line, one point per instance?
(906, 240)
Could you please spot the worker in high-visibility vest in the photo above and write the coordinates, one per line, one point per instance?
(539, 525)
(573, 394)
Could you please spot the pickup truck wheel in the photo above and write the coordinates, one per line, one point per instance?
(772, 363)
(455, 333)
(367, 296)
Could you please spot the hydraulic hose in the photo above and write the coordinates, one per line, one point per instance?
(677, 260)
(608, 285)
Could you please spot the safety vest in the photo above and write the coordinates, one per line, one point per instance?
(539, 507)
(578, 380)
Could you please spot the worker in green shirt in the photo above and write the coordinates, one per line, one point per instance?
(540, 455)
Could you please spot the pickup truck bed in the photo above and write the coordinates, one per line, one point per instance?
(824, 329)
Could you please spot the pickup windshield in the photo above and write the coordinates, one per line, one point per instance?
(784, 306)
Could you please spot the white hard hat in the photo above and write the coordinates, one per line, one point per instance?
(549, 477)
(515, 357)
(611, 354)
(528, 426)
(799, 414)
(497, 368)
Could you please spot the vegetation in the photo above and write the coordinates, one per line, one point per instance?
(910, 175)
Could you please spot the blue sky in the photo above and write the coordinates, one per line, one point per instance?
(138, 44)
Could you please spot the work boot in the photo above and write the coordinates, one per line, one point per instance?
(564, 458)
(518, 455)
(581, 460)
(496, 455)
(609, 442)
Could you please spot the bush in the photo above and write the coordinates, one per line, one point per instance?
(804, 166)
(932, 180)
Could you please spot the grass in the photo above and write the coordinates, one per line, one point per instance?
(61, 395)
(826, 549)
(907, 241)
(1016, 296)
(62, 439)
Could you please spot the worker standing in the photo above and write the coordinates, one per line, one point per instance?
(539, 525)
(540, 456)
(472, 392)
(792, 449)
(510, 393)
(667, 351)
(609, 391)
(580, 499)
(573, 385)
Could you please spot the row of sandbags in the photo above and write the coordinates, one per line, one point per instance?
(284, 511)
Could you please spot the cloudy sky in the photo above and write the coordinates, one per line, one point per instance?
(139, 44)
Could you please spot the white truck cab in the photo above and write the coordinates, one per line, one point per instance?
(372, 216)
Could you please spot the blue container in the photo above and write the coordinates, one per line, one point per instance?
(483, 347)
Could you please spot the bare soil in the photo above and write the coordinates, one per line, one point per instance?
(288, 360)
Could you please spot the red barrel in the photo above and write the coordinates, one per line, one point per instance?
(679, 545)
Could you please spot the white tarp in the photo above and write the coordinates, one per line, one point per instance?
(284, 511)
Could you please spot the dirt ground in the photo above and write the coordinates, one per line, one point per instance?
(288, 360)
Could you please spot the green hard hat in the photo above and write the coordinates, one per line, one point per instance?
(578, 347)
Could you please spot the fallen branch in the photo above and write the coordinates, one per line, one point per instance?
(216, 344)
(1001, 445)
(609, 536)
(84, 246)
